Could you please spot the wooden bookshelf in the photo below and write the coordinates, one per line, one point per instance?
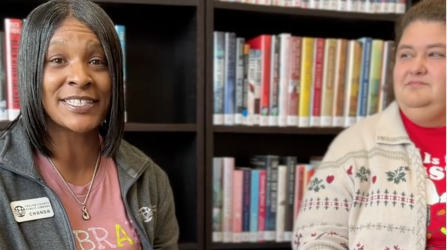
(142, 127)
(143, 2)
(276, 130)
(290, 11)
(170, 92)
(145, 127)
(241, 142)
(242, 246)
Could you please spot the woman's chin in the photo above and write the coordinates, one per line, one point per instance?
(81, 127)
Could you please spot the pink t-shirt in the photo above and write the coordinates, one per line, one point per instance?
(108, 226)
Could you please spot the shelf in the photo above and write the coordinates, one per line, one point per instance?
(145, 127)
(187, 246)
(261, 245)
(152, 2)
(149, 2)
(296, 11)
(148, 127)
(276, 130)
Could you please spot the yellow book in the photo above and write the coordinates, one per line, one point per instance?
(327, 97)
(307, 53)
(374, 77)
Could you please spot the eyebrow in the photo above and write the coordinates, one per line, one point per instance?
(90, 44)
(94, 45)
(430, 46)
(57, 42)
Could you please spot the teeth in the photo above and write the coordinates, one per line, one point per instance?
(78, 102)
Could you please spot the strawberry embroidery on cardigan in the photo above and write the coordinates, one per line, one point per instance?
(397, 176)
(330, 179)
(359, 247)
(349, 171)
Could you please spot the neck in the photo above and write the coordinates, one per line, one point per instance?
(74, 154)
(426, 118)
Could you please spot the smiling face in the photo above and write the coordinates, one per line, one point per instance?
(77, 86)
(420, 73)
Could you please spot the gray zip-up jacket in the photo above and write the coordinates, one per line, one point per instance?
(144, 187)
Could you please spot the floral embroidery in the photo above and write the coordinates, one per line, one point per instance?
(394, 248)
(397, 176)
(316, 184)
(363, 174)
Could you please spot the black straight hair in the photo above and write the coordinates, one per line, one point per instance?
(37, 32)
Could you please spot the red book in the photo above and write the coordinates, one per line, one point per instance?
(318, 80)
(264, 44)
(13, 29)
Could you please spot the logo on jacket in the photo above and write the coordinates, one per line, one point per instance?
(146, 213)
(19, 211)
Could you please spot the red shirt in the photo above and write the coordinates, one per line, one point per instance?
(432, 143)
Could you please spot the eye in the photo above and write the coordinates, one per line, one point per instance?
(405, 55)
(97, 62)
(436, 54)
(57, 60)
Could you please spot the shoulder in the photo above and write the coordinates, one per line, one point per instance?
(359, 136)
(136, 161)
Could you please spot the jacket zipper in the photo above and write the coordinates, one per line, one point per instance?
(144, 240)
(55, 197)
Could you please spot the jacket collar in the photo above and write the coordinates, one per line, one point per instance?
(390, 129)
(17, 156)
(16, 153)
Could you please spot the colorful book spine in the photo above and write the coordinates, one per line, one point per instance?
(121, 31)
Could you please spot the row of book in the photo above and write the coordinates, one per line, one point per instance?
(259, 202)
(287, 80)
(364, 6)
(9, 49)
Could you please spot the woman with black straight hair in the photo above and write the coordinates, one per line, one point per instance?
(68, 180)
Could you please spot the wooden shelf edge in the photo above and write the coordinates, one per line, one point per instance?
(148, 2)
(303, 12)
(187, 246)
(277, 130)
(153, 127)
(143, 127)
(260, 245)
(152, 2)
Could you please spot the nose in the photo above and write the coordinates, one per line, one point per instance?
(79, 75)
(418, 66)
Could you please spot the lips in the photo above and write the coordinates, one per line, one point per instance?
(416, 83)
(79, 104)
(79, 101)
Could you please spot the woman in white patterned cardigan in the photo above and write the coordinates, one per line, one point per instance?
(381, 185)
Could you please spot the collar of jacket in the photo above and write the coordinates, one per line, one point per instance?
(390, 127)
(16, 156)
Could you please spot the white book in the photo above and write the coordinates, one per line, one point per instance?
(281, 203)
(284, 76)
(227, 201)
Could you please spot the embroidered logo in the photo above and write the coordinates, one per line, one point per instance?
(146, 213)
